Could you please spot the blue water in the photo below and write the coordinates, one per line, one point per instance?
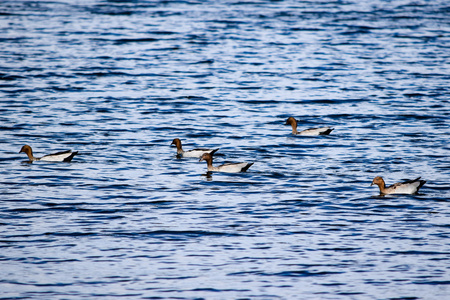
(119, 80)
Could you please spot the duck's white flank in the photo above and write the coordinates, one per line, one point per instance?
(65, 156)
(308, 132)
(406, 187)
(197, 153)
(227, 168)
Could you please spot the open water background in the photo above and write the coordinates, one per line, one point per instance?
(118, 80)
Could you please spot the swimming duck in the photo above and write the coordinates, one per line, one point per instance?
(407, 187)
(65, 156)
(227, 168)
(191, 153)
(310, 132)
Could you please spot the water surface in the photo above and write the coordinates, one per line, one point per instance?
(118, 80)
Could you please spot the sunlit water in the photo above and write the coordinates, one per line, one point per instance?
(118, 80)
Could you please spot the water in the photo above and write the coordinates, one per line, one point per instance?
(118, 80)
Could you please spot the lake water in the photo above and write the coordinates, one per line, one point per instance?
(119, 80)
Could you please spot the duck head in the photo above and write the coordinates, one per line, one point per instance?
(206, 157)
(378, 181)
(177, 143)
(28, 151)
(293, 122)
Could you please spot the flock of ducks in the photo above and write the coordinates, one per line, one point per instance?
(207, 155)
(406, 187)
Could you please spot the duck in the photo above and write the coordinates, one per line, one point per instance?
(406, 187)
(227, 168)
(197, 153)
(64, 156)
(308, 132)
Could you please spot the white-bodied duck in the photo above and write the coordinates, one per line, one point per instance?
(197, 153)
(64, 156)
(227, 168)
(308, 132)
(406, 187)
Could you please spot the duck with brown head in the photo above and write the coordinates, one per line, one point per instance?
(65, 156)
(308, 132)
(227, 168)
(197, 153)
(406, 187)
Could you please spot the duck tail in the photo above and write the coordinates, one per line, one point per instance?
(69, 158)
(327, 132)
(422, 182)
(247, 167)
(214, 151)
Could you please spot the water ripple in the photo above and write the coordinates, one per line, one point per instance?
(119, 80)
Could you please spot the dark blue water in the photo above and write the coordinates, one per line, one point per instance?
(119, 80)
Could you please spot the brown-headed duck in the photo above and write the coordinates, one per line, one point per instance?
(65, 156)
(308, 132)
(197, 153)
(227, 168)
(407, 187)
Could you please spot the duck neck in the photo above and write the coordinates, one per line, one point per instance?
(294, 127)
(179, 148)
(30, 155)
(209, 163)
(382, 186)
